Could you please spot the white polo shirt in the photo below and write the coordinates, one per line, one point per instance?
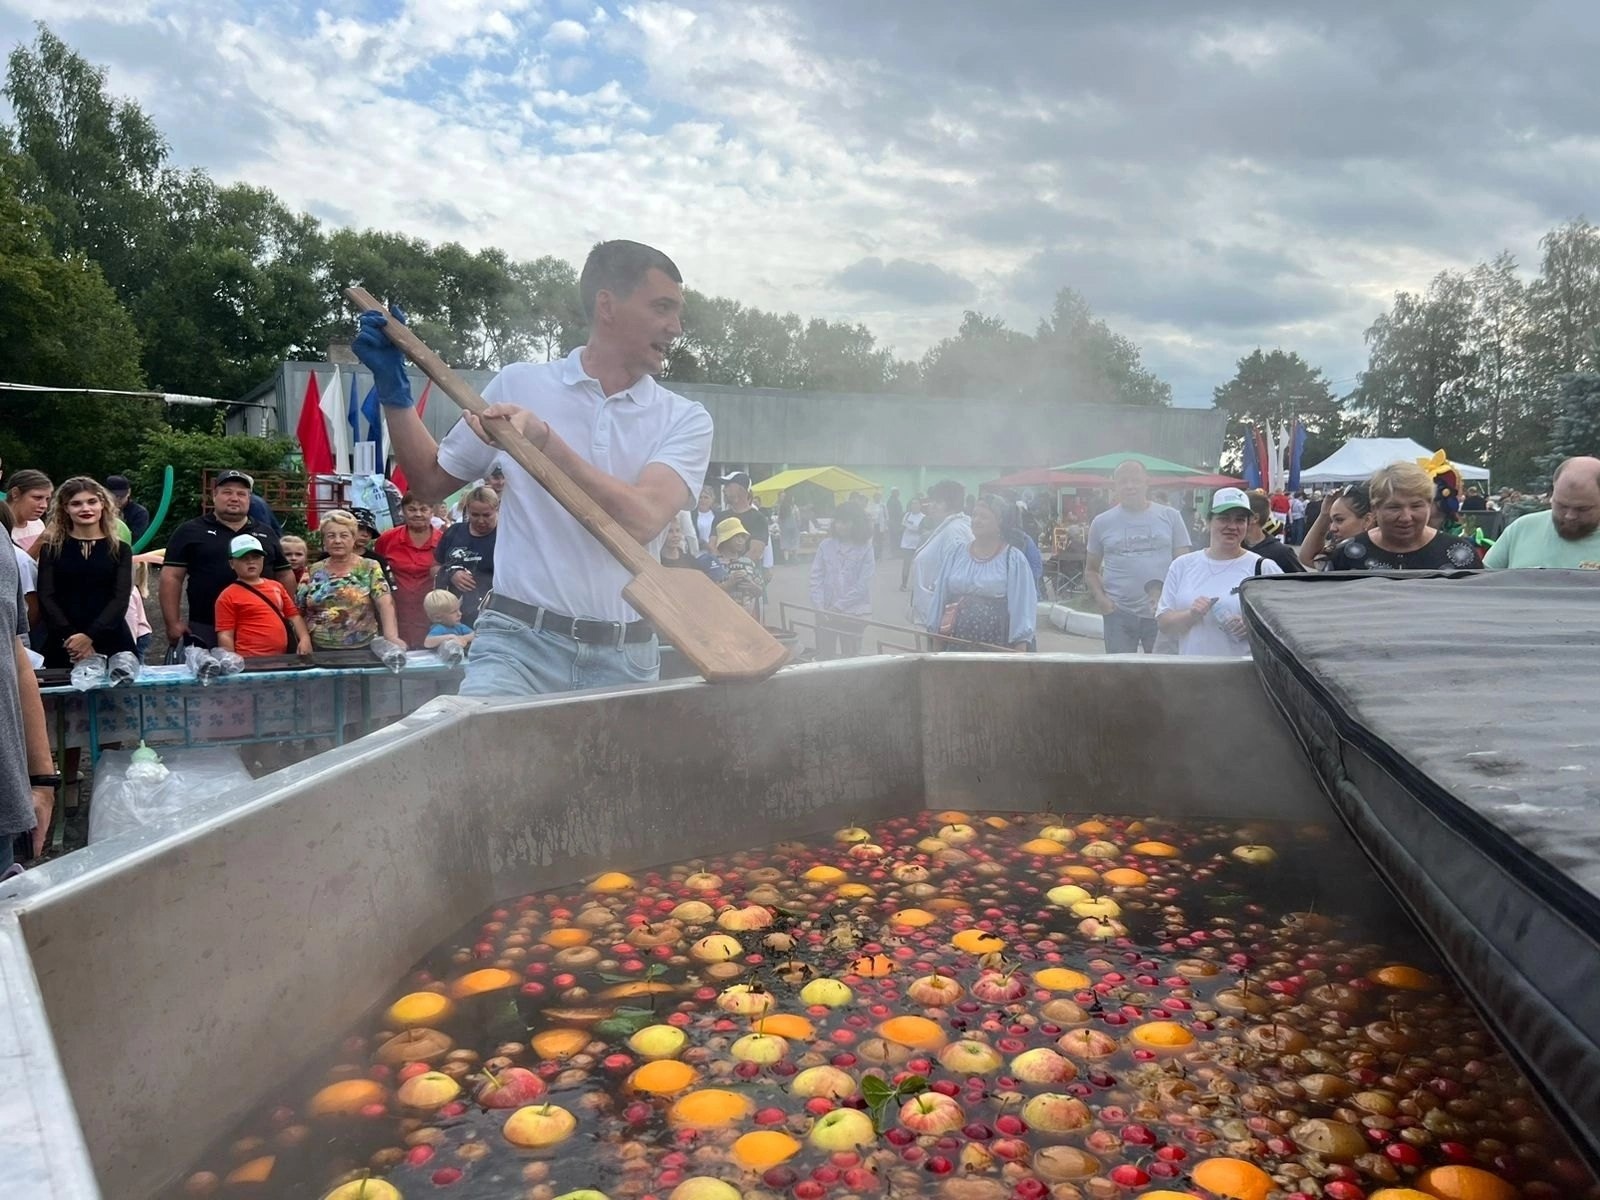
(543, 556)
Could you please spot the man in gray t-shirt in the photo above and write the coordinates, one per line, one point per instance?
(1129, 545)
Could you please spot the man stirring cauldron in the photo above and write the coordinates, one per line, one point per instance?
(556, 620)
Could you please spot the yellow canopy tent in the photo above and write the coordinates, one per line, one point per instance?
(831, 479)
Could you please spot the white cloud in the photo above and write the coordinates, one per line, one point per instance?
(566, 33)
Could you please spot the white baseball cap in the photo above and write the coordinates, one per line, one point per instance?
(1229, 500)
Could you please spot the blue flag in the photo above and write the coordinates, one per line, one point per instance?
(1252, 464)
(370, 410)
(1296, 448)
(353, 412)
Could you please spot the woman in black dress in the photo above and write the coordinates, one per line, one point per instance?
(85, 576)
(1401, 538)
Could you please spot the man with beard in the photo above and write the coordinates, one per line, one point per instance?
(1568, 536)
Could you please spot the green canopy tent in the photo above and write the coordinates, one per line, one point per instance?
(1105, 464)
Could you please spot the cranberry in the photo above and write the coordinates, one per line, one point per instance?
(900, 1136)
(1128, 1175)
(445, 1176)
(1009, 1125)
(418, 1155)
(859, 1179)
(1340, 1190)
(809, 1189)
(945, 1087)
(826, 1175)
(939, 1165)
(978, 1132)
(1138, 1135)
(771, 1116)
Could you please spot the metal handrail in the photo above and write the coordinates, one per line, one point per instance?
(922, 640)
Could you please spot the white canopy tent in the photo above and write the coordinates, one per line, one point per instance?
(1358, 458)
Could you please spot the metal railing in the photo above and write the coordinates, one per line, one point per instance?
(912, 640)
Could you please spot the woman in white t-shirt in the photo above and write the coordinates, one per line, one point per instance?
(1200, 596)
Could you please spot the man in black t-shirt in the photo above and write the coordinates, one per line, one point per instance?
(736, 488)
(197, 555)
(465, 553)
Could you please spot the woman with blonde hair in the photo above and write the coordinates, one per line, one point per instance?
(344, 597)
(85, 575)
(1401, 538)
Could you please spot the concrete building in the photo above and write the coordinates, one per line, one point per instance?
(895, 440)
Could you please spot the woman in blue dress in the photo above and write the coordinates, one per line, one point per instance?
(985, 596)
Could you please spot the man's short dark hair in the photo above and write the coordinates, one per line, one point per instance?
(619, 267)
(949, 494)
(1261, 508)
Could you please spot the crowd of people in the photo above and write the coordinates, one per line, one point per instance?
(507, 573)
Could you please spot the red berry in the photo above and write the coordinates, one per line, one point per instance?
(1009, 1125)
(1403, 1153)
(818, 1105)
(939, 1165)
(418, 1155)
(1340, 1190)
(770, 1116)
(1128, 1175)
(1172, 1154)
(445, 1176)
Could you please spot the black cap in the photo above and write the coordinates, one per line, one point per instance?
(118, 485)
(234, 476)
(365, 520)
(739, 477)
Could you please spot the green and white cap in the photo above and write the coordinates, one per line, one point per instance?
(245, 543)
(1229, 500)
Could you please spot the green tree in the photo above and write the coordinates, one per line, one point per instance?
(64, 327)
(190, 455)
(1564, 302)
(1576, 429)
(1421, 369)
(1504, 389)
(1083, 361)
(982, 358)
(838, 357)
(238, 294)
(92, 162)
(725, 342)
(546, 305)
(1277, 388)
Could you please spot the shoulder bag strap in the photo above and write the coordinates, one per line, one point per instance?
(288, 629)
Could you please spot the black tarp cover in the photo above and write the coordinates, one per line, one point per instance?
(1455, 722)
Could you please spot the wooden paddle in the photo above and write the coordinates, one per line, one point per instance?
(722, 641)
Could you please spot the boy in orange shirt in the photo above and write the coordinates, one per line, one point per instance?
(256, 616)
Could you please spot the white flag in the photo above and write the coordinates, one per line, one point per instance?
(333, 407)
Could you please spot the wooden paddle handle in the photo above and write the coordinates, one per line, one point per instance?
(583, 507)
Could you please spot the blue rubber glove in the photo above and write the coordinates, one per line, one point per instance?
(383, 358)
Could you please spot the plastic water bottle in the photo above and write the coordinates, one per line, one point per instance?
(451, 653)
(389, 654)
(124, 667)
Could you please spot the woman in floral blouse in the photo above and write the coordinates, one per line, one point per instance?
(344, 597)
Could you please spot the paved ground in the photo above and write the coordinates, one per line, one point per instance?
(791, 583)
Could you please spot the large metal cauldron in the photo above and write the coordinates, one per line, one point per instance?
(155, 987)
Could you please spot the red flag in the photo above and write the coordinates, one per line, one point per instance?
(312, 431)
(397, 476)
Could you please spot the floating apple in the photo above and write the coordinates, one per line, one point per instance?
(853, 834)
(1255, 854)
(1043, 1065)
(703, 881)
(866, 851)
(1087, 1043)
(970, 1057)
(956, 834)
(1064, 1164)
(931, 991)
(1101, 930)
(823, 874)
(1161, 1035)
(909, 873)
(828, 992)
(997, 987)
(693, 912)
(933, 1113)
(1067, 894)
(1101, 908)
(751, 916)
(583, 1194)
(613, 881)
(1100, 849)
(716, 948)
(1058, 833)
(1054, 1112)
(931, 845)
(414, 1045)
(703, 1187)
(843, 1129)
(539, 1125)
(762, 1048)
(823, 1081)
(649, 936)
(419, 1008)
(658, 1041)
(746, 999)
(365, 1188)
(431, 1089)
(511, 1088)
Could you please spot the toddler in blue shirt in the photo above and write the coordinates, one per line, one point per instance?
(444, 611)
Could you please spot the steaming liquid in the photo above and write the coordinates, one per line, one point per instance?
(1264, 964)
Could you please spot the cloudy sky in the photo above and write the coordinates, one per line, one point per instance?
(1212, 176)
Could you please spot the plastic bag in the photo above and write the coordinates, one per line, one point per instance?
(450, 653)
(89, 672)
(389, 654)
(210, 665)
(130, 795)
(124, 667)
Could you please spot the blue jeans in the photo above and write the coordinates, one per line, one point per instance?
(511, 658)
(1127, 633)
